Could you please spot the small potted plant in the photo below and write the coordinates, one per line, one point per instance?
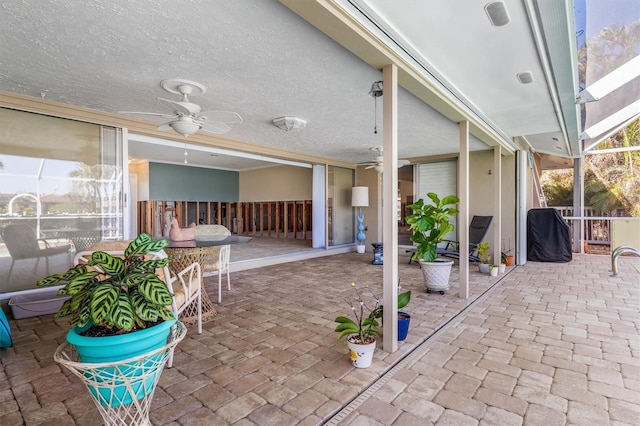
(507, 257)
(362, 332)
(493, 269)
(430, 224)
(404, 318)
(484, 256)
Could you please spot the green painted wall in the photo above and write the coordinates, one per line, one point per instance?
(172, 182)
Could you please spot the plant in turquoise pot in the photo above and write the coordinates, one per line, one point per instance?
(119, 305)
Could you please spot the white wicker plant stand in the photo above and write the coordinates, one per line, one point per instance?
(134, 376)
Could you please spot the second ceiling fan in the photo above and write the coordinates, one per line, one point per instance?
(377, 162)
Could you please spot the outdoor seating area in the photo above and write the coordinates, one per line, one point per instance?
(542, 344)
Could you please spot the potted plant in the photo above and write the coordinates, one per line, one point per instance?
(429, 224)
(360, 333)
(484, 256)
(119, 307)
(493, 269)
(507, 257)
(404, 318)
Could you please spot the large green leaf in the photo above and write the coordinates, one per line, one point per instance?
(80, 283)
(150, 265)
(102, 300)
(155, 291)
(143, 309)
(122, 315)
(137, 246)
(111, 265)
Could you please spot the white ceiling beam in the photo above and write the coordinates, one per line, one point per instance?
(610, 82)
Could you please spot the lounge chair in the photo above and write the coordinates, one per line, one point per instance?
(477, 230)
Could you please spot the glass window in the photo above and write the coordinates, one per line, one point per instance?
(60, 192)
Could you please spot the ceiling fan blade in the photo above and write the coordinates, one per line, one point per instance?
(220, 117)
(370, 167)
(157, 114)
(217, 128)
(175, 106)
(402, 163)
(165, 126)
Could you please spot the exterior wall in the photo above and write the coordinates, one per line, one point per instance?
(283, 183)
(481, 196)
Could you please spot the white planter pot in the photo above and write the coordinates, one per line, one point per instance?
(436, 274)
(503, 268)
(361, 355)
(360, 248)
(494, 272)
(483, 267)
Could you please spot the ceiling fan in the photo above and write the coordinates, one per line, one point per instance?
(376, 163)
(188, 118)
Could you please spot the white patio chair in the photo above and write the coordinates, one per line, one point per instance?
(220, 267)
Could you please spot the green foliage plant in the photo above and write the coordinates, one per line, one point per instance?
(483, 252)
(113, 292)
(363, 326)
(429, 224)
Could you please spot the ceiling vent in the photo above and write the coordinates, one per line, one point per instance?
(497, 13)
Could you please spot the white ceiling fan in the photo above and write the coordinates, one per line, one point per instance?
(376, 163)
(187, 117)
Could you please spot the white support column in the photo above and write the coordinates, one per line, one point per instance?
(497, 204)
(463, 207)
(522, 170)
(389, 213)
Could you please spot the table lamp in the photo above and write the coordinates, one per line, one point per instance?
(360, 199)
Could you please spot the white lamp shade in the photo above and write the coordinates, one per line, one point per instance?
(360, 196)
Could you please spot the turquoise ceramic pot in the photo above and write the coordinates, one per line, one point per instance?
(117, 348)
(121, 385)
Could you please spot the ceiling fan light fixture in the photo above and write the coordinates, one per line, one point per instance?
(289, 124)
(185, 127)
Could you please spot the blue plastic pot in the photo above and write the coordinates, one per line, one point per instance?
(403, 325)
(111, 349)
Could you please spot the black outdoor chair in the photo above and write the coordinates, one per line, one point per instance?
(22, 242)
(477, 230)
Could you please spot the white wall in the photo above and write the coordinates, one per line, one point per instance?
(279, 183)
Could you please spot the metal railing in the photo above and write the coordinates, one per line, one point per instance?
(617, 252)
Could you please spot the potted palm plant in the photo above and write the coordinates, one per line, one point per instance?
(430, 224)
(119, 307)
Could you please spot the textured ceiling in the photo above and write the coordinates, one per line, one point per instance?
(259, 59)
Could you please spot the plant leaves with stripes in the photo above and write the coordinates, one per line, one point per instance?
(111, 265)
(122, 315)
(151, 265)
(137, 246)
(155, 291)
(79, 283)
(145, 310)
(102, 300)
(166, 314)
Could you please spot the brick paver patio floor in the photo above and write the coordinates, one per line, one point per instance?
(544, 344)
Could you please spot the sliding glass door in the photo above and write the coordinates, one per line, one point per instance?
(61, 191)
